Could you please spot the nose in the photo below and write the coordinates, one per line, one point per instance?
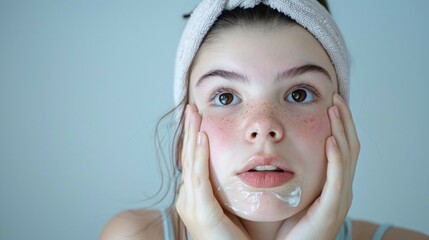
(264, 129)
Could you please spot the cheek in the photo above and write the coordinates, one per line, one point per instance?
(221, 135)
(308, 134)
(315, 127)
(218, 129)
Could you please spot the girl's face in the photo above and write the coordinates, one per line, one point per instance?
(263, 94)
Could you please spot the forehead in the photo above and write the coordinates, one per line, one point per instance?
(262, 50)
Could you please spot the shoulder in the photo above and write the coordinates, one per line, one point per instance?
(134, 225)
(364, 230)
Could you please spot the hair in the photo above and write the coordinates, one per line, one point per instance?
(259, 16)
(169, 166)
(324, 3)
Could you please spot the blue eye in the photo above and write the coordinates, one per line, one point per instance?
(225, 99)
(300, 95)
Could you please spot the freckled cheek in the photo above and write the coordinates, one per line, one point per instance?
(307, 133)
(313, 128)
(220, 132)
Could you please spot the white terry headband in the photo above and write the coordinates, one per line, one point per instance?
(308, 13)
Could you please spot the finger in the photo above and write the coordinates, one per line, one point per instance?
(203, 191)
(333, 187)
(205, 200)
(350, 131)
(193, 126)
(181, 200)
(193, 129)
(342, 145)
(185, 144)
(349, 125)
(201, 166)
(185, 159)
(338, 132)
(191, 138)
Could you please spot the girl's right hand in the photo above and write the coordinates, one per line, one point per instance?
(196, 204)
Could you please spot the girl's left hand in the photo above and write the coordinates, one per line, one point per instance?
(326, 215)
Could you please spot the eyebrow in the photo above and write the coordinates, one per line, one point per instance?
(234, 76)
(300, 70)
(229, 75)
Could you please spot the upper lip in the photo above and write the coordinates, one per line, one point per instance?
(265, 160)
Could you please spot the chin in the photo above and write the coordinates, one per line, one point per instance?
(267, 217)
(261, 208)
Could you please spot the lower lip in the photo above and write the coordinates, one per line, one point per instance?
(265, 179)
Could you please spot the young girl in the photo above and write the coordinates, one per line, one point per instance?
(266, 146)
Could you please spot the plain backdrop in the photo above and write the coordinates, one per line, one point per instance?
(83, 83)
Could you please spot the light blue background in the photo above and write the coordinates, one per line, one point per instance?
(82, 84)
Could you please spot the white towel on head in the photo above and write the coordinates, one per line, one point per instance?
(308, 13)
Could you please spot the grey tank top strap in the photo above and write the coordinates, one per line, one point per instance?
(345, 232)
(168, 225)
(381, 230)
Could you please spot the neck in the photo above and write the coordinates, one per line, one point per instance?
(262, 230)
(271, 230)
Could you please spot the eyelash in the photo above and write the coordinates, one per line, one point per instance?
(307, 86)
(221, 90)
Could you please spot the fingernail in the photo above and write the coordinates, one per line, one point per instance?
(334, 141)
(335, 109)
(339, 97)
(200, 138)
